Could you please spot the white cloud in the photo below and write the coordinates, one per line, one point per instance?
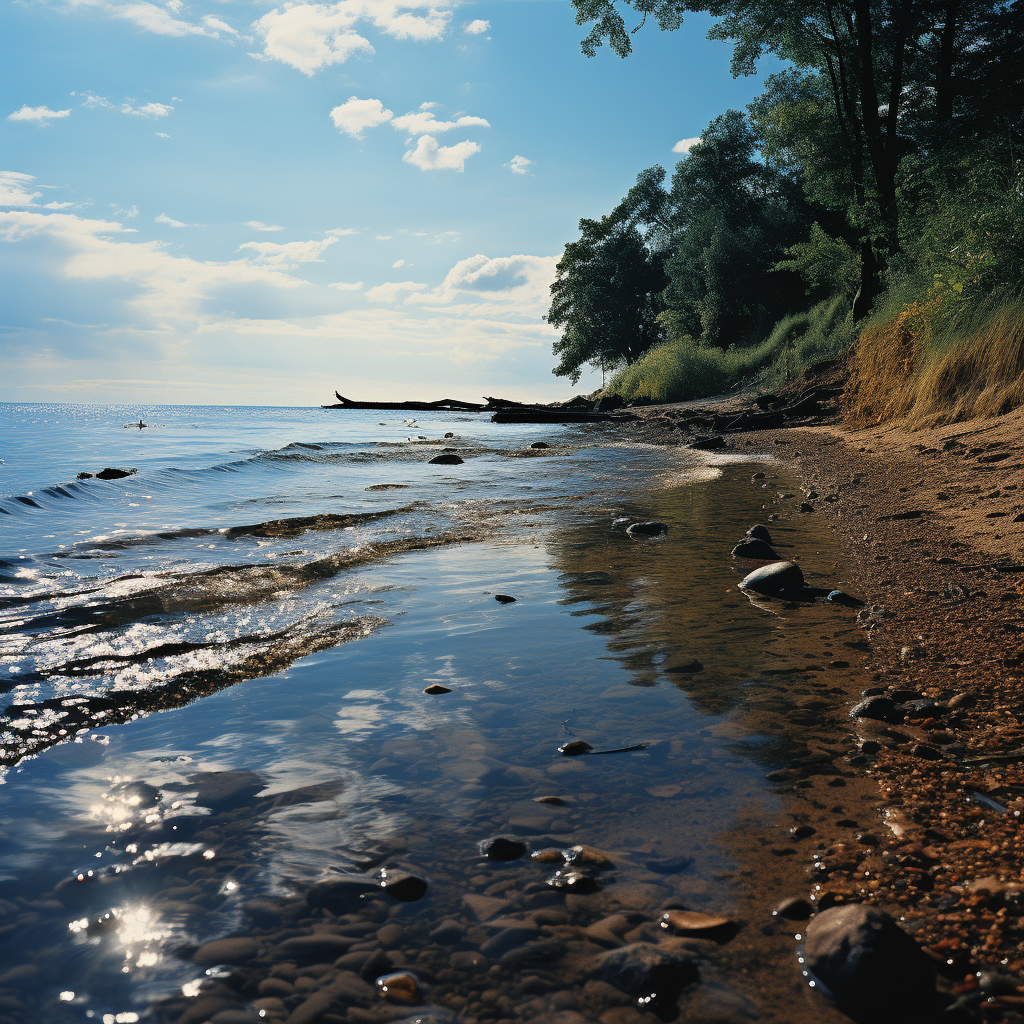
(14, 189)
(354, 116)
(429, 105)
(476, 28)
(285, 254)
(312, 36)
(147, 110)
(518, 165)
(156, 19)
(685, 145)
(341, 231)
(132, 211)
(164, 219)
(384, 238)
(41, 115)
(397, 264)
(344, 286)
(162, 135)
(423, 121)
(169, 289)
(258, 225)
(217, 25)
(502, 274)
(56, 206)
(428, 156)
(392, 290)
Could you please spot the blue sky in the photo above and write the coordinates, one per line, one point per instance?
(246, 202)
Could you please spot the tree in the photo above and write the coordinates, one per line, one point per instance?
(605, 297)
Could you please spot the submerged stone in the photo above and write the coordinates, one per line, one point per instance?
(753, 548)
(691, 922)
(575, 747)
(647, 529)
(436, 689)
(653, 976)
(402, 885)
(575, 882)
(403, 988)
(502, 848)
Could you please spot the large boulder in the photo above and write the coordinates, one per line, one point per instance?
(874, 970)
(779, 579)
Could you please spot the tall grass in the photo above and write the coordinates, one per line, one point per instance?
(928, 364)
(682, 369)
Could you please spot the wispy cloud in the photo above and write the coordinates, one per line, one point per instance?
(40, 115)
(392, 291)
(93, 101)
(14, 189)
(422, 122)
(285, 254)
(169, 221)
(258, 225)
(345, 286)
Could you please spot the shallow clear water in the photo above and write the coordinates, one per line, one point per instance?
(215, 672)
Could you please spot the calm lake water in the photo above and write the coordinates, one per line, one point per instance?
(214, 670)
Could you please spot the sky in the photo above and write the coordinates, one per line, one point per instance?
(243, 202)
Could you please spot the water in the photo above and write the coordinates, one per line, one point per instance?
(214, 672)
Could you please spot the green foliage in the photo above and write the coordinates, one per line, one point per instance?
(605, 298)
(828, 265)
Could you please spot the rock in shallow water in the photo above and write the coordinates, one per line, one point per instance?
(690, 922)
(754, 548)
(779, 579)
(652, 529)
(446, 459)
(575, 747)
(504, 599)
(876, 972)
(402, 885)
(502, 848)
(881, 709)
(760, 532)
(648, 973)
(436, 689)
(401, 988)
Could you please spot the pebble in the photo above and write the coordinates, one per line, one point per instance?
(754, 548)
(504, 599)
(805, 506)
(446, 459)
(574, 882)
(881, 709)
(226, 951)
(435, 689)
(588, 856)
(646, 972)
(691, 922)
(401, 987)
(759, 532)
(502, 848)
(402, 885)
(794, 909)
(556, 801)
(540, 444)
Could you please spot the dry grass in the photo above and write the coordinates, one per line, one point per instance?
(903, 367)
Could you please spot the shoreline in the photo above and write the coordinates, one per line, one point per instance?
(931, 525)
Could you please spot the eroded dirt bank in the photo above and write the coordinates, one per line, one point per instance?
(932, 529)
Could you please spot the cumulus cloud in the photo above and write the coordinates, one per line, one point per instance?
(518, 165)
(429, 105)
(345, 286)
(41, 115)
(392, 290)
(421, 122)
(258, 225)
(685, 145)
(499, 274)
(476, 28)
(164, 219)
(309, 37)
(285, 254)
(354, 116)
(428, 156)
(14, 189)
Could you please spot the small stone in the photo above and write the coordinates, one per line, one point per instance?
(390, 935)
(752, 548)
(504, 599)
(760, 532)
(648, 972)
(652, 529)
(926, 751)
(401, 988)
(803, 832)
(805, 506)
(402, 885)
(846, 600)
(540, 444)
(466, 959)
(548, 856)
(793, 909)
(502, 848)
(870, 747)
(756, 477)
(115, 474)
(707, 444)
(449, 434)
(588, 856)
(556, 801)
(574, 882)
(682, 664)
(435, 689)
(691, 922)
(575, 747)
(446, 459)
